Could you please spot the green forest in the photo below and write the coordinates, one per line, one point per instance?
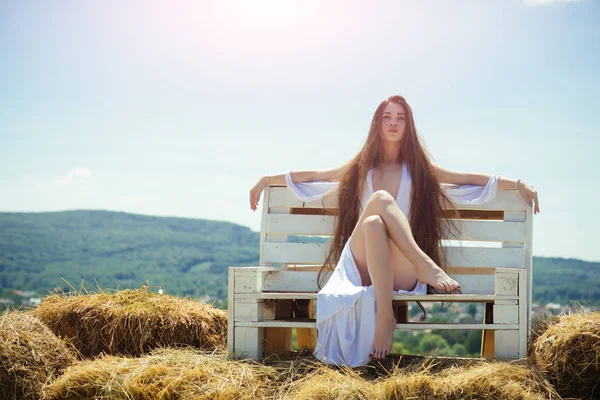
(185, 257)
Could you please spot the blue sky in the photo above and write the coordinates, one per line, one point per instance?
(178, 108)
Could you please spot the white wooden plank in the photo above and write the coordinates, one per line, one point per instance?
(248, 341)
(506, 343)
(299, 224)
(230, 309)
(282, 197)
(408, 297)
(469, 230)
(246, 280)
(484, 230)
(263, 223)
(515, 216)
(523, 312)
(506, 284)
(248, 310)
(273, 237)
(416, 326)
(506, 314)
(501, 300)
(292, 281)
(314, 253)
(306, 281)
(529, 260)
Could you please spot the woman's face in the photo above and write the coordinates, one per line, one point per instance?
(393, 122)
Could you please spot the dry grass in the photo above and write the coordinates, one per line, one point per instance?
(30, 355)
(186, 374)
(152, 328)
(484, 380)
(539, 325)
(192, 374)
(568, 352)
(132, 322)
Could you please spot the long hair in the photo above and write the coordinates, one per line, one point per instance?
(427, 199)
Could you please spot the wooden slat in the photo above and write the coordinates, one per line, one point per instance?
(469, 230)
(529, 263)
(462, 214)
(470, 271)
(313, 253)
(310, 211)
(506, 344)
(300, 224)
(504, 200)
(293, 324)
(405, 297)
(306, 281)
(230, 308)
(248, 340)
(497, 215)
(263, 224)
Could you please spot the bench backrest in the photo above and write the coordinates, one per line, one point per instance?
(495, 235)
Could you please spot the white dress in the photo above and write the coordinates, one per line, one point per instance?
(346, 310)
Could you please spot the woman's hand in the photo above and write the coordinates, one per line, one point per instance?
(255, 193)
(529, 194)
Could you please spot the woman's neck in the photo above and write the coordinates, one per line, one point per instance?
(391, 157)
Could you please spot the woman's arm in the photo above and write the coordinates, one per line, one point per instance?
(444, 175)
(467, 178)
(332, 174)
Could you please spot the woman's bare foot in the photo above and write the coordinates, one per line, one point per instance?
(384, 336)
(428, 272)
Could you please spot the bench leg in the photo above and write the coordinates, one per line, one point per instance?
(400, 310)
(279, 340)
(487, 338)
(248, 341)
(506, 344)
(306, 337)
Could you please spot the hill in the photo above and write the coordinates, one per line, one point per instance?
(184, 256)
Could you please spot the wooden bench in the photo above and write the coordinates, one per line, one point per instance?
(267, 301)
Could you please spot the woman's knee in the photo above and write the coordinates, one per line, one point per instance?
(373, 224)
(380, 200)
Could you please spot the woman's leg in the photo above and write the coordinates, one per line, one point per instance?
(383, 204)
(382, 277)
(382, 263)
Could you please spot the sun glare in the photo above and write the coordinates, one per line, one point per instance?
(268, 13)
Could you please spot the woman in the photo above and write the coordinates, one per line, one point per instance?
(394, 245)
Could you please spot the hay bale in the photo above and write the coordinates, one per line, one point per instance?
(480, 380)
(539, 325)
(568, 352)
(30, 356)
(483, 380)
(495, 380)
(186, 374)
(132, 322)
(329, 383)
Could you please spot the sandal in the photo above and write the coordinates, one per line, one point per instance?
(432, 290)
(422, 309)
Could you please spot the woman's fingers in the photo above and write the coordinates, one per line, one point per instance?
(253, 200)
